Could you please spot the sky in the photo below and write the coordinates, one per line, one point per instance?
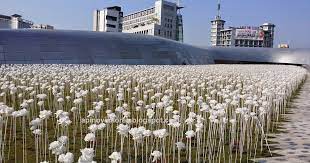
(291, 17)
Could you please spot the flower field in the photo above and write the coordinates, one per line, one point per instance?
(101, 113)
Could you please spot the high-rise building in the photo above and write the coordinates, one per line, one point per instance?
(161, 20)
(179, 30)
(243, 36)
(14, 22)
(108, 19)
(217, 26)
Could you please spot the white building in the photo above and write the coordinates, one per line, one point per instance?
(108, 19)
(14, 22)
(161, 20)
(244, 36)
(42, 26)
(17, 22)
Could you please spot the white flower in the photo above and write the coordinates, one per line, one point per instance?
(123, 129)
(137, 133)
(57, 147)
(60, 100)
(119, 109)
(150, 113)
(61, 113)
(189, 121)
(126, 114)
(190, 134)
(24, 104)
(180, 145)
(199, 127)
(101, 126)
(66, 158)
(20, 113)
(174, 123)
(35, 123)
(169, 109)
(157, 155)
(41, 96)
(63, 139)
(64, 121)
(90, 137)
(205, 108)
(115, 156)
(93, 128)
(77, 101)
(40, 103)
(54, 145)
(91, 113)
(111, 117)
(161, 133)
(45, 114)
(147, 133)
(74, 109)
(140, 103)
(37, 132)
(87, 155)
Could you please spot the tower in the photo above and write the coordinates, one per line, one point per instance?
(268, 29)
(216, 26)
(179, 23)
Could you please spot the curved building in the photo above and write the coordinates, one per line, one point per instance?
(86, 47)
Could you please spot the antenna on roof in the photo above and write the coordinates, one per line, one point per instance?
(218, 16)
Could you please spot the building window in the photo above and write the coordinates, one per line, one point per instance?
(111, 18)
(111, 26)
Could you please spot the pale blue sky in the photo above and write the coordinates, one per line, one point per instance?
(291, 17)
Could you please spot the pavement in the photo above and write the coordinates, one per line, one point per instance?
(294, 142)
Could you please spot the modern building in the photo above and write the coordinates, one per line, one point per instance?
(108, 19)
(86, 47)
(164, 19)
(246, 36)
(42, 26)
(179, 30)
(14, 22)
(17, 22)
(243, 36)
